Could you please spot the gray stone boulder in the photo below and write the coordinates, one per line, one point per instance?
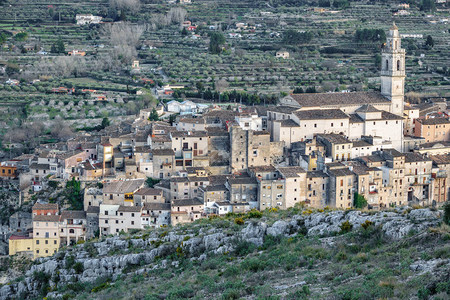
(424, 214)
(213, 241)
(278, 228)
(254, 232)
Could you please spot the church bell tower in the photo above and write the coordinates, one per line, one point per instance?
(393, 71)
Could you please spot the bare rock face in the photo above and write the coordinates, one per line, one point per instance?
(114, 254)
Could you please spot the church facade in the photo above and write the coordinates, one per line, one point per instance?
(375, 114)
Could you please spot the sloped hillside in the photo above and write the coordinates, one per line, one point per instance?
(290, 254)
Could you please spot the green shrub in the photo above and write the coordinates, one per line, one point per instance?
(243, 248)
(302, 293)
(76, 286)
(78, 267)
(447, 213)
(442, 252)
(346, 227)
(231, 271)
(366, 224)
(341, 255)
(230, 294)
(181, 293)
(70, 261)
(254, 264)
(100, 287)
(254, 214)
(270, 241)
(239, 221)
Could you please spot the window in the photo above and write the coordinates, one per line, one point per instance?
(37, 242)
(398, 64)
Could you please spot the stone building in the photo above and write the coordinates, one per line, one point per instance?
(155, 214)
(432, 129)
(340, 187)
(249, 148)
(186, 211)
(163, 163)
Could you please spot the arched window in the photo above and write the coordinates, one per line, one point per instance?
(387, 64)
(398, 65)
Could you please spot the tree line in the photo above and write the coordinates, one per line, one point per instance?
(370, 35)
(229, 96)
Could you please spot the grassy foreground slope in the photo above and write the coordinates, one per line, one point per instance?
(361, 263)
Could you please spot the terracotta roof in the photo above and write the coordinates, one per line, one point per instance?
(415, 157)
(123, 187)
(291, 171)
(163, 152)
(334, 138)
(393, 152)
(45, 206)
(434, 145)
(142, 149)
(242, 180)
(123, 208)
(156, 206)
(321, 114)
(93, 210)
(161, 139)
(287, 123)
(354, 118)
(314, 174)
(357, 144)
(178, 134)
(282, 109)
(268, 168)
(20, 237)
(36, 166)
(367, 108)
(324, 99)
(340, 172)
(73, 214)
(46, 218)
(192, 120)
(441, 159)
(149, 191)
(186, 202)
(433, 121)
(389, 116)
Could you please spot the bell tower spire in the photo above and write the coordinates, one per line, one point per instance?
(393, 71)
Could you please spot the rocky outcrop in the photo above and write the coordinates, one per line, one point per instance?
(113, 255)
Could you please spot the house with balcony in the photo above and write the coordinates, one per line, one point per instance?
(155, 214)
(186, 211)
(72, 226)
(190, 148)
(148, 195)
(122, 192)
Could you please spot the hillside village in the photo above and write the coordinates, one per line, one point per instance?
(183, 161)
